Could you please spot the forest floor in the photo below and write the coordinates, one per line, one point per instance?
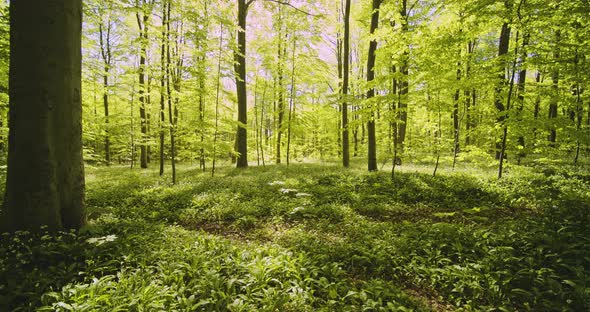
(313, 238)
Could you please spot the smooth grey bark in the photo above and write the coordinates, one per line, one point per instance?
(45, 178)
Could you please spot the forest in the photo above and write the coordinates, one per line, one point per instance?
(295, 155)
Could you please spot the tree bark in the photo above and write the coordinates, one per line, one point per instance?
(555, 96)
(162, 121)
(404, 89)
(280, 94)
(45, 178)
(105, 51)
(372, 148)
(142, 21)
(171, 118)
(291, 103)
(345, 75)
(503, 47)
(240, 68)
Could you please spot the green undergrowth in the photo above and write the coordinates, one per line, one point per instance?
(313, 238)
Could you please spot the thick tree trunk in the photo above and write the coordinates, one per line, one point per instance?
(240, 68)
(45, 178)
(372, 148)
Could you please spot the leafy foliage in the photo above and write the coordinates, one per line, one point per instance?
(312, 238)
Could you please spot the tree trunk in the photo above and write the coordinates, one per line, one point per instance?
(521, 91)
(372, 148)
(456, 128)
(503, 47)
(404, 88)
(217, 93)
(469, 97)
(240, 68)
(163, 75)
(280, 100)
(555, 95)
(45, 177)
(345, 74)
(169, 96)
(105, 51)
(142, 21)
(291, 104)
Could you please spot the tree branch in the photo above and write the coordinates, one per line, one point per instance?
(292, 6)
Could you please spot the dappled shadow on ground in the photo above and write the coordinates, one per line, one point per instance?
(454, 240)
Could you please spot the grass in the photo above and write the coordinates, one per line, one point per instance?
(313, 238)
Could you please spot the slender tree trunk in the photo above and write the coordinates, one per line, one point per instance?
(438, 137)
(45, 175)
(579, 109)
(468, 98)
(280, 100)
(256, 132)
(169, 96)
(521, 92)
(240, 68)
(217, 93)
(372, 148)
(132, 124)
(202, 118)
(142, 23)
(162, 121)
(291, 104)
(345, 74)
(262, 130)
(148, 102)
(503, 47)
(537, 108)
(404, 88)
(555, 96)
(508, 103)
(456, 125)
(105, 51)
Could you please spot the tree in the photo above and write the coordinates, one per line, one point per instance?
(372, 148)
(345, 75)
(503, 46)
(240, 68)
(45, 178)
(105, 26)
(143, 18)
